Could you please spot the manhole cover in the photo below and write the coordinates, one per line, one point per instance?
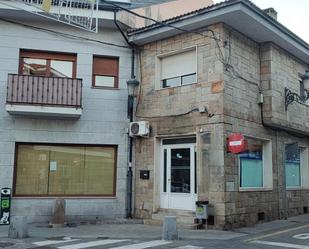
(6, 244)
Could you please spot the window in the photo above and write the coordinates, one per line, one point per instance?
(302, 89)
(39, 63)
(292, 165)
(65, 170)
(255, 165)
(105, 72)
(296, 166)
(178, 69)
(304, 164)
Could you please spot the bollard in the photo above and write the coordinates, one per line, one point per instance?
(170, 228)
(58, 219)
(18, 228)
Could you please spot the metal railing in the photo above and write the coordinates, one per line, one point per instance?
(40, 90)
(79, 13)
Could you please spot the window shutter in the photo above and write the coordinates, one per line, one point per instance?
(105, 66)
(178, 64)
(105, 71)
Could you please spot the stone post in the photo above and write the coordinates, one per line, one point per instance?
(58, 219)
(18, 228)
(170, 228)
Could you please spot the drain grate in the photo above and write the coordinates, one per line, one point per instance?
(6, 244)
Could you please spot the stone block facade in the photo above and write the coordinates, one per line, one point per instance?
(233, 76)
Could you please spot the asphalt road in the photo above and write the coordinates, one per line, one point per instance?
(293, 236)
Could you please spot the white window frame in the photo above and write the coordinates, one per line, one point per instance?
(300, 172)
(158, 81)
(304, 169)
(267, 168)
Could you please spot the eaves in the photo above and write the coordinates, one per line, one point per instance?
(242, 15)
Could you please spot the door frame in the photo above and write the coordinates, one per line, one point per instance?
(167, 198)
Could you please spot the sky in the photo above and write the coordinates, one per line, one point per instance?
(294, 14)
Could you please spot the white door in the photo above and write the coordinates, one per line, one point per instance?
(178, 178)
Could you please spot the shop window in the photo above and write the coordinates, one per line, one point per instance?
(255, 165)
(292, 165)
(105, 72)
(296, 166)
(48, 64)
(304, 165)
(177, 69)
(50, 170)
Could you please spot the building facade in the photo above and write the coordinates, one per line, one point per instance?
(63, 117)
(214, 78)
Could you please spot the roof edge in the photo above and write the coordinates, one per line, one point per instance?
(220, 6)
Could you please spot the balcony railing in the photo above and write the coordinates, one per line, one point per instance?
(44, 91)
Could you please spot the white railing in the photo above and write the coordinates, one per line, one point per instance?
(78, 13)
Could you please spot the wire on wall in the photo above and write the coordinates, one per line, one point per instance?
(162, 23)
(69, 36)
(226, 61)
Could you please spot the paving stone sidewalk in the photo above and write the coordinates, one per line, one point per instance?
(123, 229)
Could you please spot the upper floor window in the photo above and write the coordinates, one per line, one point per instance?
(178, 69)
(48, 64)
(105, 72)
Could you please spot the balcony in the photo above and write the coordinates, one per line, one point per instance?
(44, 96)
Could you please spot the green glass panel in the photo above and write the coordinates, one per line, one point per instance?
(292, 174)
(251, 173)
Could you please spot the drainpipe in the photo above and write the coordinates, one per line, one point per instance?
(130, 172)
(131, 82)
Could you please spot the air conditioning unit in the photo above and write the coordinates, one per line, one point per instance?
(139, 129)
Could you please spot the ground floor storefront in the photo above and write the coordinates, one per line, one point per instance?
(91, 178)
(266, 181)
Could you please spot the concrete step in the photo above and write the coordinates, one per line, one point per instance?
(176, 212)
(151, 222)
(184, 218)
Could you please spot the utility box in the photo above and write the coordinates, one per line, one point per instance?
(201, 210)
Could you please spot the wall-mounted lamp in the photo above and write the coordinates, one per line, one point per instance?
(132, 85)
(290, 96)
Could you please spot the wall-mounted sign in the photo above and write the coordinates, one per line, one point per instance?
(236, 143)
(5, 206)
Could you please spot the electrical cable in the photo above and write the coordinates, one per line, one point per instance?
(69, 36)
(162, 23)
(170, 116)
(222, 60)
(217, 40)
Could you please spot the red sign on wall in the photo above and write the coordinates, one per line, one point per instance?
(236, 143)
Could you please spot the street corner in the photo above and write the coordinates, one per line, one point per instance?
(8, 243)
(296, 237)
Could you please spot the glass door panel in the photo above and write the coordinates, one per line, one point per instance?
(180, 170)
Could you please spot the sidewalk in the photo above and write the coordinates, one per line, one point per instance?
(137, 231)
(121, 231)
(275, 225)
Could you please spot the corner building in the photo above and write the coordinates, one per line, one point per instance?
(227, 74)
